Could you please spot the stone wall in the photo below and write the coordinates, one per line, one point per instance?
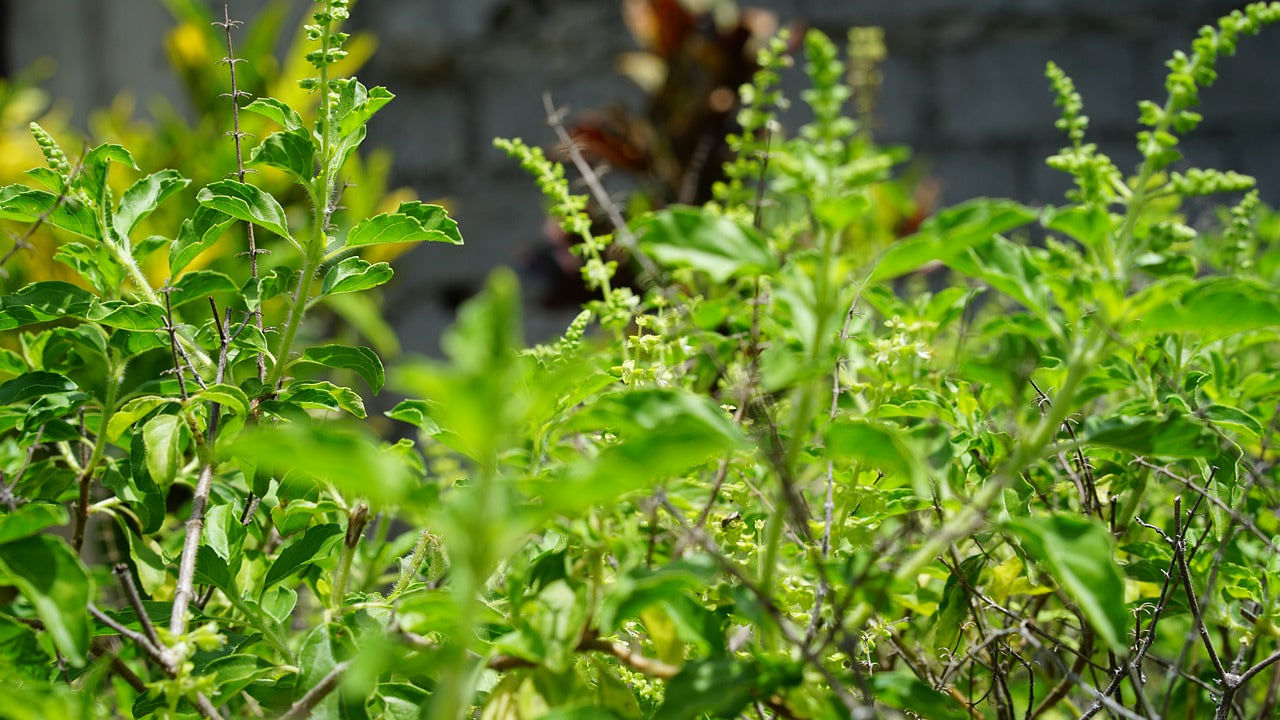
(964, 86)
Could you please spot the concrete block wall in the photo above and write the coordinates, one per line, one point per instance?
(964, 86)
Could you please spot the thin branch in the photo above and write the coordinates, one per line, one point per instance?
(305, 704)
(227, 24)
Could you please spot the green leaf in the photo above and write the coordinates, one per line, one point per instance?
(720, 688)
(248, 203)
(356, 105)
(1173, 436)
(131, 412)
(311, 547)
(661, 433)
(271, 108)
(42, 302)
(229, 396)
(1233, 418)
(29, 519)
(949, 233)
(24, 204)
(1080, 554)
(162, 436)
(144, 196)
(354, 275)
(198, 285)
(416, 413)
(1087, 225)
(33, 385)
(138, 317)
(292, 151)
(325, 396)
(347, 456)
(361, 360)
(198, 233)
(1215, 307)
(691, 237)
(213, 570)
(953, 611)
(412, 222)
(879, 446)
(51, 576)
(902, 690)
(1008, 268)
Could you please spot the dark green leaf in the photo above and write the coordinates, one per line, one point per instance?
(312, 546)
(720, 688)
(248, 203)
(51, 576)
(199, 285)
(23, 204)
(33, 385)
(137, 317)
(292, 151)
(42, 302)
(363, 361)
(324, 395)
(198, 233)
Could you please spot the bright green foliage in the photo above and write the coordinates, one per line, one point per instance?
(808, 469)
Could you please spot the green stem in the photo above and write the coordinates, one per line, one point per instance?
(95, 456)
(409, 570)
(297, 309)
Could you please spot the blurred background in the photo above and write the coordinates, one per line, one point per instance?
(648, 85)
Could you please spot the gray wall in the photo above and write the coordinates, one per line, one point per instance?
(964, 86)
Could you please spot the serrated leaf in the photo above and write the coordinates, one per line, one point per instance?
(717, 245)
(198, 233)
(33, 385)
(412, 222)
(361, 360)
(248, 203)
(324, 395)
(138, 317)
(1080, 554)
(199, 285)
(229, 396)
(273, 109)
(144, 196)
(291, 151)
(24, 204)
(355, 275)
(162, 436)
(44, 301)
